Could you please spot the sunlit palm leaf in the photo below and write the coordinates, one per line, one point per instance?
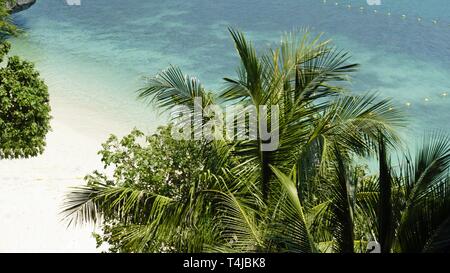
(290, 231)
(428, 195)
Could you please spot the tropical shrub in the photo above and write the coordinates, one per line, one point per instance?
(24, 99)
(24, 108)
(148, 169)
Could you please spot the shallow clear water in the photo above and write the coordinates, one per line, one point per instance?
(100, 51)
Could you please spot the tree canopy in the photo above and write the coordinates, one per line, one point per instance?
(24, 100)
(312, 194)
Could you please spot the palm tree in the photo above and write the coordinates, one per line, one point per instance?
(405, 208)
(251, 205)
(422, 221)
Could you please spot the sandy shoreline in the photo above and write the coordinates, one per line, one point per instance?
(32, 190)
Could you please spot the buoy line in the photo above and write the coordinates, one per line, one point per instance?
(373, 9)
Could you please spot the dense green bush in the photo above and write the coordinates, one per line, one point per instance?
(24, 99)
(24, 108)
(156, 163)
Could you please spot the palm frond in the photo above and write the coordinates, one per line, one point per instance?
(291, 231)
(171, 88)
(91, 203)
(427, 196)
(238, 218)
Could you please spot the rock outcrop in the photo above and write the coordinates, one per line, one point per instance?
(20, 5)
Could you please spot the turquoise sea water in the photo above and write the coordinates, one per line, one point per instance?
(99, 51)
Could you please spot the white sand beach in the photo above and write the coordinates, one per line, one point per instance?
(32, 190)
(87, 106)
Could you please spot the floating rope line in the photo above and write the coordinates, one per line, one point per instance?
(403, 17)
(443, 95)
(369, 9)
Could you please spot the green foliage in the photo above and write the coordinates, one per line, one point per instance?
(423, 222)
(24, 108)
(309, 195)
(156, 163)
(7, 28)
(24, 99)
(149, 173)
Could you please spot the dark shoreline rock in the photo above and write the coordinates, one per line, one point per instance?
(20, 5)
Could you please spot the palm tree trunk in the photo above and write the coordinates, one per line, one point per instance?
(385, 228)
(343, 208)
